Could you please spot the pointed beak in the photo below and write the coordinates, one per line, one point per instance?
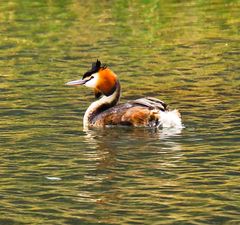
(76, 82)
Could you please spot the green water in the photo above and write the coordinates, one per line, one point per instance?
(185, 53)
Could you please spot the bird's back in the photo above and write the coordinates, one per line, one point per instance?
(142, 112)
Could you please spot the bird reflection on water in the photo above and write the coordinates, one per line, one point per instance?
(111, 132)
(109, 142)
(125, 156)
(120, 133)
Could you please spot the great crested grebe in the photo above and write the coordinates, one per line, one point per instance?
(143, 112)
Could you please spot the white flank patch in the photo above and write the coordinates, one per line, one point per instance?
(170, 119)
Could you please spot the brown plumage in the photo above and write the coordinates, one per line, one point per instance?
(128, 114)
(147, 112)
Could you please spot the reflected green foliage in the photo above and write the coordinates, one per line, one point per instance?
(183, 52)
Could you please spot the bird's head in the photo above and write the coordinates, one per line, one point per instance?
(100, 78)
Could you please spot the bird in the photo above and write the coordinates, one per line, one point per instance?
(107, 111)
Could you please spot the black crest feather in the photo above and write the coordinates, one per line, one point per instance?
(96, 66)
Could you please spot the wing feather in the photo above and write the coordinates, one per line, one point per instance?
(152, 103)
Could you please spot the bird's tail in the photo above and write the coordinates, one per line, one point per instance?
(170, 119)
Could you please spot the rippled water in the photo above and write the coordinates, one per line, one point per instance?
(52, 172)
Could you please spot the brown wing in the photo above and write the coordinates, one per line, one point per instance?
(127, 114)
(138, 116)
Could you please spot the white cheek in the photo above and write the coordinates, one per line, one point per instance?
(93, 82)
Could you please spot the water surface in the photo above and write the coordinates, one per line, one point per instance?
(53, 172)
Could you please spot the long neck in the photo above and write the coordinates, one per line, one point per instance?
(101, 105)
